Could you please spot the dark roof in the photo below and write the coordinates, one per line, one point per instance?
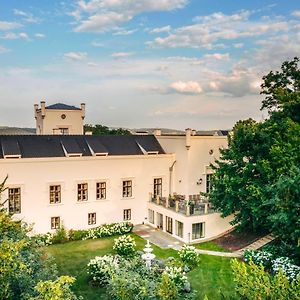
(62, 106)
(34, 146)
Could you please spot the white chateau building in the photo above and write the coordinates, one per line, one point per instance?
(61, 176)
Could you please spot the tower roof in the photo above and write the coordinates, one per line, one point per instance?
(62, 106)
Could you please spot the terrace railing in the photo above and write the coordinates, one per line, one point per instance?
(195, 205)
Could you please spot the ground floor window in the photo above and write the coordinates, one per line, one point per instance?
(198, 231)
(179, 228)
(160, 221)
(55, 222)
(151, 216)
(92, 218)
(14, 200)
(169, 225)
(127, 214)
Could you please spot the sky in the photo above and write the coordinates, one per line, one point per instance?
(143, 63)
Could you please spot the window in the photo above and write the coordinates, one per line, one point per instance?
(14, 200)
(179, 229)
(169, 225)
(64, 131)
(157, 191)
(208, 182)
(127, 214)
(82, 192)
(92, 218)
(101, 190)
(151, 216)
(55, 222)
(198, 231)
(160, 220)
(127, 188)
(55, 192)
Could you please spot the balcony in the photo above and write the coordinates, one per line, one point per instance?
(196, 204)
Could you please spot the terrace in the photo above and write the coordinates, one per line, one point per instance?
(193, 206)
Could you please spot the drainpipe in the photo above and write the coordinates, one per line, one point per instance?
(171, 177)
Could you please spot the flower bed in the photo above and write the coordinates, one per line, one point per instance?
(105, 230)
(274, 265)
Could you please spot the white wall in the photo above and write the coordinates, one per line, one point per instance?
(214, 223)
(53, 120)
(192, 164)
(34, 176)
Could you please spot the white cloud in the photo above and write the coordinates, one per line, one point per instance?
(189, 87)
(120, 55)
(125, 32)
(210, 30)
(27, 17)
(76, 56)
(24, 36)
(40, 35)
(3, 49)
(104, 15)
(296, 13)
(9, 25)
(15, 36)
(161, 29)
(217, 56)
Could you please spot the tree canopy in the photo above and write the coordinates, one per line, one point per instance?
(104, 130)
(257, 177)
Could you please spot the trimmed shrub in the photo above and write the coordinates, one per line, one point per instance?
(176, 275)
(124, 245)
(189, 256)
(101, 269)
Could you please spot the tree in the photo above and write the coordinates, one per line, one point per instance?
(104, 130)
(23, 264)
(252, 283)
(253, 176)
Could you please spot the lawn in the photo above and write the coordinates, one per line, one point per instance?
(212, 276)
(212, 246)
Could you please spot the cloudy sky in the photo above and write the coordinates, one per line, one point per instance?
(143, 63)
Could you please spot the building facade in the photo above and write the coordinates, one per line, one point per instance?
(82, 181)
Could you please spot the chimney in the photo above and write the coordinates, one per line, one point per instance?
(36, 107)
(194, 132)
(157, 132)
(82, 105)
(188, 133)
(43, 108)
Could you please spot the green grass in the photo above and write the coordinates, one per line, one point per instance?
(212, 246)
(213, 273)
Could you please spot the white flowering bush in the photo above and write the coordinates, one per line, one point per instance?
(188, 255)
(44, 239)
(62, 234)
(258, 257)
(177, 275)
(101, 269)
(108, 230)
(290, 270)
(124, 245)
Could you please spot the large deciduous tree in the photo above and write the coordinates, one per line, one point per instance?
(257, 177)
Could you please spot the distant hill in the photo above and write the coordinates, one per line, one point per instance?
(5, 130)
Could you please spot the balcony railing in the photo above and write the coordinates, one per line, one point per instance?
(195, 205)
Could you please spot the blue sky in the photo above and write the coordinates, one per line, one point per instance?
(143, 63)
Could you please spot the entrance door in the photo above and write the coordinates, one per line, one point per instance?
(169, 225)
(160, 221)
